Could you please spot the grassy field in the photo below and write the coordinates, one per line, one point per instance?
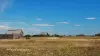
(73, 46)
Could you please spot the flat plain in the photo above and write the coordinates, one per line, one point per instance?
(51, 46)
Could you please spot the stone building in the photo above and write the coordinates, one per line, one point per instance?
(18, 33)
(12, 34)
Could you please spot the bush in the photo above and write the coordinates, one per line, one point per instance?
(27, 36)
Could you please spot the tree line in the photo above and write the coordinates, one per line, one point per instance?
(54, 35)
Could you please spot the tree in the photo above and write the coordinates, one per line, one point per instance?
(80, 35)
(64, 35)
(97, 34)
(48, 34)
(27, 36)
(56, 35)
(69, 35)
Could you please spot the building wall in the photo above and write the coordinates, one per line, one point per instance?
(16, 33)
(6, 36)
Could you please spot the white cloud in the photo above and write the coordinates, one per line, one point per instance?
(77, 25)
(59, 32)
(14, 23)
(92, 18)
(33, 29)
(63, 22)
(42, 25)
(23, 23)
(29, 29)
(38, 19)
(3, 27)
(5, 23)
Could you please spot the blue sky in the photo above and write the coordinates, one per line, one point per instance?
(53, 16)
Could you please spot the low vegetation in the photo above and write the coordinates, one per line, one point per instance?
(50, 47)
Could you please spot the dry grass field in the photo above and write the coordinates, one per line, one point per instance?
(69, 46)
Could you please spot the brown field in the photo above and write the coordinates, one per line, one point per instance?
(69, 46)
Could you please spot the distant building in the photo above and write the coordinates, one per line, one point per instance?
(18, 33)
(12, 34)
(43, 33)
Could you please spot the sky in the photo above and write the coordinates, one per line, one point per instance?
(69, 17)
